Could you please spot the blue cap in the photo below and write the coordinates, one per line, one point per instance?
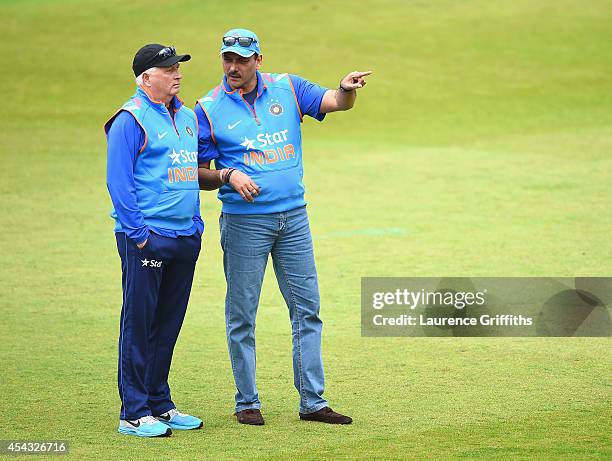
(244, 51)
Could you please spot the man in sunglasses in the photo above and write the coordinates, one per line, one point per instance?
(153, 183)
(250, 126)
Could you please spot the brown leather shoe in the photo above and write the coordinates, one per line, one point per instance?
(251, 416)
(326, 415)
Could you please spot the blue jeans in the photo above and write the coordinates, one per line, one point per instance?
(247, 241)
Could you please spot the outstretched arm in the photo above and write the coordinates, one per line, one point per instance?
(344, 97)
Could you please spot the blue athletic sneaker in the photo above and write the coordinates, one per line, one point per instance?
(177, 420)
(147, 426)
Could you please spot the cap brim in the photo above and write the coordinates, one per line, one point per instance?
(172, 60)
(240, 50)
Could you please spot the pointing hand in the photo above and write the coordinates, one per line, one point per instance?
(354, 80)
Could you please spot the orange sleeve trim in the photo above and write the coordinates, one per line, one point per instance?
(295, 97)
(143, 129)
(111, 118)
(212, 133)
(137, 121)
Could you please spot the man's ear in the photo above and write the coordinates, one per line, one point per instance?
(146, 80)
(259, 59)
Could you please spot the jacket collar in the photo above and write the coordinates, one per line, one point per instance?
(177, 103)
(261, 86)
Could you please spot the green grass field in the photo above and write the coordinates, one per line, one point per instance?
(480, 147)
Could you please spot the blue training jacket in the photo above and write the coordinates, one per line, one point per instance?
(166, 169)
(263, 141)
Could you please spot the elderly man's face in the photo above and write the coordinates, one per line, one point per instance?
(165, 82)
(240, 71)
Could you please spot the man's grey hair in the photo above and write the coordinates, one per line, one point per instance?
(148, 71)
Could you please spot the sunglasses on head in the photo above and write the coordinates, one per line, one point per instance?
(242, 41)
(167, 52)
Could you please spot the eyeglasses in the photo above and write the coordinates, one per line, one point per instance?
(165, 53)
(242, 41)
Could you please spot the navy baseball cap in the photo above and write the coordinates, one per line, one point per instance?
(156, 55)
(240, 41)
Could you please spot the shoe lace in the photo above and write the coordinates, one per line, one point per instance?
(148, 420)
(174, 412)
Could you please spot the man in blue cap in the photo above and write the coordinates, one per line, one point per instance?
(152, 178)
(250, 126)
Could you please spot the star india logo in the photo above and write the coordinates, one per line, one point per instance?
(176, 158)
(248, 143)
(150, 263)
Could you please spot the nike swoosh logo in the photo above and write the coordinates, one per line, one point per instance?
(134, 423)
(161, 135)
(165, 418)
(231, 127)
